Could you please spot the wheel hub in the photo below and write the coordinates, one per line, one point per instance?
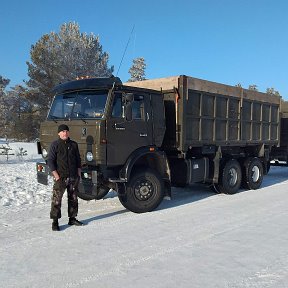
(144, 190)
(256, 173)
(233, 177)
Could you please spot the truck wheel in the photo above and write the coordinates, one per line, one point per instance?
(230, 177)
(215, 188)
(85, 197)
(101, 192)
(144, 191)
(266, 167)
(252, 173)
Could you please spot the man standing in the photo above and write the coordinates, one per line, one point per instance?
(65, 163)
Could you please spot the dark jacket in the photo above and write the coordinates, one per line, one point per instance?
(64, 157)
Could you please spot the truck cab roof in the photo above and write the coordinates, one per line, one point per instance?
(90, 83)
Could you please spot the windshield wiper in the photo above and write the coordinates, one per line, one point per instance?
(81, 118)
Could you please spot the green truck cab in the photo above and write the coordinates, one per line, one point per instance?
(119, 135)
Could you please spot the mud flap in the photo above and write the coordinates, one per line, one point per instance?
(42, 173)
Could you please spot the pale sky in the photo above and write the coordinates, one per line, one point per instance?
(226, 41)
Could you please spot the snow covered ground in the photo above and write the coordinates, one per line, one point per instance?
(198, 239)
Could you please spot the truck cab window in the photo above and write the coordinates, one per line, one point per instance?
(62, 106)
(118, 109)
(138, 107)
(84, 104)
(90, 104)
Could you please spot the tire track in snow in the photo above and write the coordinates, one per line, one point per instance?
(274, 275)
(122, 267)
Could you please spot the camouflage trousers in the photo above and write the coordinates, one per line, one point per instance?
(59, 187)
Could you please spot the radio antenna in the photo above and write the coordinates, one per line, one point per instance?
(125, 50)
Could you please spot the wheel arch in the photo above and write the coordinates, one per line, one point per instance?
(148, 157)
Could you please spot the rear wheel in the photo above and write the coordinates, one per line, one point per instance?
(266, 167)
(230, 177)
(144, 191)
(252, 174)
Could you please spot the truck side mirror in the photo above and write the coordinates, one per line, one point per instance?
(127, 99)
(128, 111)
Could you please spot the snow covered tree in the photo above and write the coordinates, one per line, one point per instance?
(21, 114)
(137, 70)
(272, 91)
(3, 105)
(3, 83)
(63, 56)
(253, 87)
(18, 119)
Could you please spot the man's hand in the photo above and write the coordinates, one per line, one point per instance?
(79, 172)
(55, 175)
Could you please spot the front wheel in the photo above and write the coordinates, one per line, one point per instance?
(90, 192)
(144, 191)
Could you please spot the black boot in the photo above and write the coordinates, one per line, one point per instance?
(55, 225)
(74, 221)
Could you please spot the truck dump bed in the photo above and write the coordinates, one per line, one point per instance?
(200, 112)
(284, 125)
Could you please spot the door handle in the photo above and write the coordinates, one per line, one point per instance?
(143, 135)
(118, 127)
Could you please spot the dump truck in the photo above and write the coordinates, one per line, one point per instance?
(142, 138)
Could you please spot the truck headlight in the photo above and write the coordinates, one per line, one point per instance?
(89, 156)
(44, 153)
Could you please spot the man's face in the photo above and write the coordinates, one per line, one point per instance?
(64, 135)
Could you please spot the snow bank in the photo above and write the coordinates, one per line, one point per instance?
(199, 239)
(19, 184)
(16, 147)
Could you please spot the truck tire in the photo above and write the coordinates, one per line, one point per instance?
(101, 193)
(266, 167)
(144, 191)
(230, 177)
(252, 173)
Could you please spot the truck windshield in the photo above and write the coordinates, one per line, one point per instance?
(78, 105)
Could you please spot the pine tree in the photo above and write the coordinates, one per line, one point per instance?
(3, 105)
(272, 91)
(63, 56)
(3, 83)
(137, 70)
(253, 87)
(21, 114)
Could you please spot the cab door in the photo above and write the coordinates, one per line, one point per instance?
(125, 136)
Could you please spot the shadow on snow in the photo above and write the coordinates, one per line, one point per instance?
(198, 192)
